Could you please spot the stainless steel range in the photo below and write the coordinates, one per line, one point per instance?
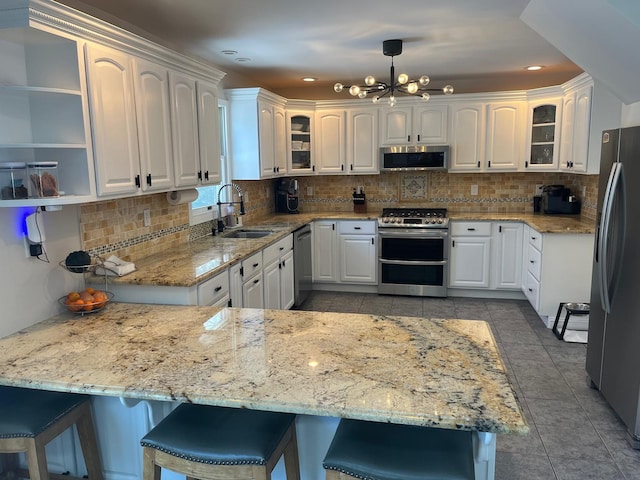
(413, 252)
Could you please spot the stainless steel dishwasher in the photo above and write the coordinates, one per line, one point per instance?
(302, 263)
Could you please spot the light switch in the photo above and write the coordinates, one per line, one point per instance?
(147, 217)
(474, 189)
(310, 191)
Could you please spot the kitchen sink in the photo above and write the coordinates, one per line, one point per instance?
(244, 233)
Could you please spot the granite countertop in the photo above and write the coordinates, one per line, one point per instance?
(441, 373)
(197, 261)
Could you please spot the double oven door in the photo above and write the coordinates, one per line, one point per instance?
(413, 261)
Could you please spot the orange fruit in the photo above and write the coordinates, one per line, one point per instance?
(73, 296)
(89, 290)
(86, 297)
(100, 298)
(76, 305)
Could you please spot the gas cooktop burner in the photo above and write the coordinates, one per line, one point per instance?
(414, 218)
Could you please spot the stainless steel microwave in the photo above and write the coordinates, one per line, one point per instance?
(414, 158)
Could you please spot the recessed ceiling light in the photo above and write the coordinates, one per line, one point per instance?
(229, 52)
(533, 68)
(309, 79)
(242, 59)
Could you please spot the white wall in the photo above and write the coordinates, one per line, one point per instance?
(631, 115)
(29, 288)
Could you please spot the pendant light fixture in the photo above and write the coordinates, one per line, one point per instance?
(402, 84)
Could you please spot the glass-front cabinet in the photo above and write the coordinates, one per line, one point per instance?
(544, 134)
(300, 128)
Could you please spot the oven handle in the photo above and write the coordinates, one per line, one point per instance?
(412, 262)
(414, 234)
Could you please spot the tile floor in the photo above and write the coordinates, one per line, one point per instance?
(574, 434)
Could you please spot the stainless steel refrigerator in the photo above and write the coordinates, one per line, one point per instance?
(613, 349)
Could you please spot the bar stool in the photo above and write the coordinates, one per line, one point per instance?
(384, 451)
(29, 419)
(572, 308)
(214, 443)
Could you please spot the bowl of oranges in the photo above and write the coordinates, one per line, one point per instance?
(88, 300)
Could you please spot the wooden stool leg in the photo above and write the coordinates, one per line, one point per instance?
(291, 460)
(88, 442)
(150, 471)
(37, 460)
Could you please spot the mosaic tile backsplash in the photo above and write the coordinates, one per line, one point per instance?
(116, 227)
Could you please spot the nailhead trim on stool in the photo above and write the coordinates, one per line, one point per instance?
(223, 436)
(382, 451)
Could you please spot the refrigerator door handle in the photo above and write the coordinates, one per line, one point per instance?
(614, 184)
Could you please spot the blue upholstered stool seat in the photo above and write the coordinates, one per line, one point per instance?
(27, 413)
(382, 451)
(220, 436)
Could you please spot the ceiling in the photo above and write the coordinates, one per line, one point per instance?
(475, 45)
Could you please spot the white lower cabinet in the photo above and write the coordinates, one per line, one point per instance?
(325, 251)
(506, 255)
(470, 254)
(278, 274)
(214, 291)
(252, 283)
(357, 250)
(235, 285)
(558, 269)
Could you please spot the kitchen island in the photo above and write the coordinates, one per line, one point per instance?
(406, 370)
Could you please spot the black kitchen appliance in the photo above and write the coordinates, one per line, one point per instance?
(287, 195)
(556, 199)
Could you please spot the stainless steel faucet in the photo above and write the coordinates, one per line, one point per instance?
(219, 203)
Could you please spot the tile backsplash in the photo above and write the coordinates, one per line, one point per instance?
(116, 227)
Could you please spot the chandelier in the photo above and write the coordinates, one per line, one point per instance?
(403, 84)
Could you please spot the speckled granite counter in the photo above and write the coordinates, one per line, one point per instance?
(444, 373)
(201, 259)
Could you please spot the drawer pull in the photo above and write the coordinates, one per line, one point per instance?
(281, 248)
(471, 229)
(256, 280)
(533, 238)
(531, 289)
(532, 261)
(357, 228)
(217, 289)
(255, 265)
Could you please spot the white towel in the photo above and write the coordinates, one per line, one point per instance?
(115, 266)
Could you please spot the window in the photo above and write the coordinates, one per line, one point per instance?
(205, 208)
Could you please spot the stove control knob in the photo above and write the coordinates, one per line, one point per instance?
(440, 221)
(385, 220)
(398, 220)
(433, 221)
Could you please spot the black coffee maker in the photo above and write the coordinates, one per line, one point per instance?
(287, 195)
(558, 199)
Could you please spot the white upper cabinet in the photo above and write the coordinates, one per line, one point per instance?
(184, 114)
(113, 118)
(300, 142)
(362, 141)
(208, 133)
(413, 125)
(543, 134)
(151, 83)
(256, 124)
(576, 121)
(467, 134)
(505, 136)
(330, 141)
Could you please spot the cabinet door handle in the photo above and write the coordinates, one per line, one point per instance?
(351, 167)
(526, 164)
(279, 266)
(242, 271)
(500, 229)
(478, 164)
(217, 289)
(453, 243)
(283, 263)
(199, 174)
(313, 168)
(408, 138)
(206, 175)
(137, 180)
(333, 226)
(418, 137)
(149, 179)
(342, 168)
(489, 164)
(372, 242)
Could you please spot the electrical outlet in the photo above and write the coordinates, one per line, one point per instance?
(584, 191)
(309, 191)
(539, 188)
(474, 189)
(147, 217)
(267, 192)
